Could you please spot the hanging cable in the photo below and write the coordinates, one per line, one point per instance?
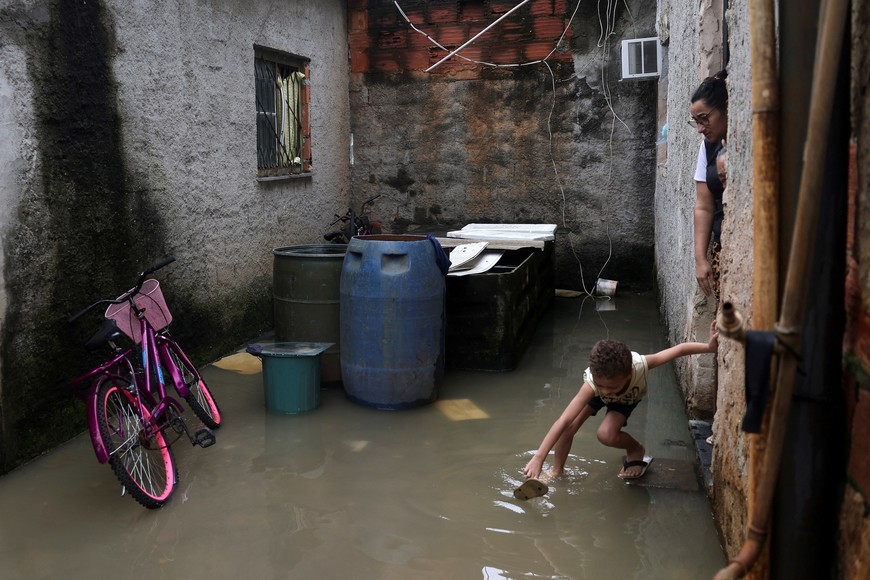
(607, 28)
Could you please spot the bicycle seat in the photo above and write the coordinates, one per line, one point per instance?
(108, 331)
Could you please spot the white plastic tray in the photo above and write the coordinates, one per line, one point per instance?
(544, 232)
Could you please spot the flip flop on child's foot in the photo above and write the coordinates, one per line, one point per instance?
(531, 488)
(642, 463)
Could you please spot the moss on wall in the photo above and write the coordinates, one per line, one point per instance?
(76, 221)
(136, 143)
(82, 232)
(208, 327)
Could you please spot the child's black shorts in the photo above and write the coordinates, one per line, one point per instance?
(596, 403)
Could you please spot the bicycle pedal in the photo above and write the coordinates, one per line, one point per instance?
(204, 438)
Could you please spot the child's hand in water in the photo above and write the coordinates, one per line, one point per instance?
(533, 467)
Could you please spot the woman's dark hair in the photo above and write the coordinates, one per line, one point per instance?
(713, 91)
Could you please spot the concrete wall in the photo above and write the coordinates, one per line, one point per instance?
(688, 45)
(730, 472)
(693, 48)
(570, 144)
(695, 51)
(127, 132)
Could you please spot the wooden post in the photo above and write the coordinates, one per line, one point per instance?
(765, 204)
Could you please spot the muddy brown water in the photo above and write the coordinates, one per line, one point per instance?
(345, 491)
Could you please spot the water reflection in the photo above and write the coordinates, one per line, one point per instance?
(350, 492)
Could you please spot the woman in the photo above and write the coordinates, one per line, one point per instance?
(709, 115)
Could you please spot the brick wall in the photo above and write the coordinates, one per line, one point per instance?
(382, 41)
(854, 520)
(548, 142)
(855, 509)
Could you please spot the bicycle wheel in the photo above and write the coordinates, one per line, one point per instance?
(144, 465)
(200, 399)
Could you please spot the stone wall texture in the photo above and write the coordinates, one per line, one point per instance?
(127, 132)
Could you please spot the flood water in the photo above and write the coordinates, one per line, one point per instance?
(346, 491)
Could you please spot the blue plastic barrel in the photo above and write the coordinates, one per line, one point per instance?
(392, 321)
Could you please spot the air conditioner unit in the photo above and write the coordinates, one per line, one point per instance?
(641, 58)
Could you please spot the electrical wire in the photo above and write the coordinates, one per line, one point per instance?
(605, 32)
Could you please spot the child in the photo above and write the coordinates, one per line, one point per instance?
(722, 164)
(616, 379)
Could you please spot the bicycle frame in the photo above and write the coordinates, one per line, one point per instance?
(149, 357)
(164, 346)
(131, 419)
(159, 404)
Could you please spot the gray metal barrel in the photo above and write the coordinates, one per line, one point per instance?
(306, 299)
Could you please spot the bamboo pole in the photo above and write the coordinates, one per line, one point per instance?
(765, 164)
(765, 205)
(797, 281)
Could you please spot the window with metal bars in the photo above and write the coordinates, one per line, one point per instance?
(283, 134)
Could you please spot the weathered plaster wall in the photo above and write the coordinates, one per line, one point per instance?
(691, 34)
(854, 518)
(128, 132)
(730, 469)
(674, 198)
(471, 143)
(694, 50)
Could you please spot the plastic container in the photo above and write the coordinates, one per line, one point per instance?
(492, 316)
(392, 321)
(604, 287)
(305, 282)
(291, 375)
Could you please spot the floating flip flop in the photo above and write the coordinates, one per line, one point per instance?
(643, 464)
(531, 488)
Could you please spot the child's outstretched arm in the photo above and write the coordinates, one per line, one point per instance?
(577, 404)
(685, 349)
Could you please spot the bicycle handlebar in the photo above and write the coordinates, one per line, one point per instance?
(340, 218)
(127, 295)
(157, 265)
(350, 213)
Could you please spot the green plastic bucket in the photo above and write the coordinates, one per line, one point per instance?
(291, 375)
(305, 282)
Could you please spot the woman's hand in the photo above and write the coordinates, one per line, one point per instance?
(704, 275)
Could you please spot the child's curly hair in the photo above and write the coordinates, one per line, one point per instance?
(610, 359)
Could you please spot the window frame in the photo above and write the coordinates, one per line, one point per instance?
(274, 161)
(626, 47)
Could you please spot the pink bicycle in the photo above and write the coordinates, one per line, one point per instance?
(131, 419)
